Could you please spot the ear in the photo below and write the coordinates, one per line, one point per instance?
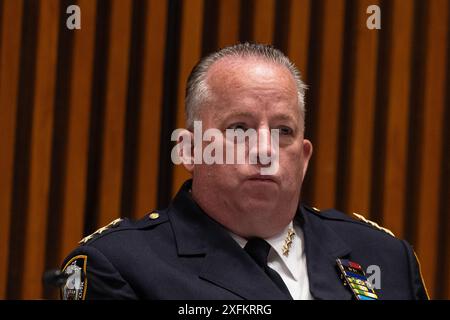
(186, 150)
(307, 150)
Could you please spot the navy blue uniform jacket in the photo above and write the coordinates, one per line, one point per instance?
(181, 253)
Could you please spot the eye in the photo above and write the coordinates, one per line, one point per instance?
(285, 131)
(237, 126)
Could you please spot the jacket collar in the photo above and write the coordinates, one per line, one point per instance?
(226, 264)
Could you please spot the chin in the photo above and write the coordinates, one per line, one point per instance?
(263, 230)
(263, 207)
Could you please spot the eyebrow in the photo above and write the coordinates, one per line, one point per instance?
(280, 116)
(283, 116)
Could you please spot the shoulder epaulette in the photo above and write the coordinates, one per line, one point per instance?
(110, 225)
(312, 209)
(373, 224)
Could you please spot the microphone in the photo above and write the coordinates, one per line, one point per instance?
(55, 277)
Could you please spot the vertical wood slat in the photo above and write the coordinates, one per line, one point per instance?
(263, 21)
(190, 51)
(394, 187)
(298, 34)
(228, 24)
(362, 108)
(75, 178)
(329, 86)
(41, 142)
(9, 76)
(115, 109)
(151, 101)
(431, 152)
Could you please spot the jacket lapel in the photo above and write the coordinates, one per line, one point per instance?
(231, 268)
(225, 263)
(322, 247)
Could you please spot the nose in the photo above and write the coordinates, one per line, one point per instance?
(263, 150)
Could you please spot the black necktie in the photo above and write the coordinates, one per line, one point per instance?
(258, 249)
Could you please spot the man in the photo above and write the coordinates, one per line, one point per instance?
(232, 232)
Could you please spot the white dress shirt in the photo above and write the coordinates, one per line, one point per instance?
(291, 268)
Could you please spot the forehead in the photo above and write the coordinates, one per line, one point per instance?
(248, 73)
(236, 82)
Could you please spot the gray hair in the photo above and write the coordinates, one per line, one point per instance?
(197, 88)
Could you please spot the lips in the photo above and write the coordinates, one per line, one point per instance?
(264, 178)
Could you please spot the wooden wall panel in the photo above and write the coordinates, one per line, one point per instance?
(330, 73)
(298, 35)
(263, 21)
(85, 115)
(151, 101)
(362, 109)
(40, 146)
(395, 157)
(115, 108)
(9, 74)
(430, 166)
(228, 22)
(74, 187)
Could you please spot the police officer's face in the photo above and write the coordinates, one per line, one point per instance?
(250, 93)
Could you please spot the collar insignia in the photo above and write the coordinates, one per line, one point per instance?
(288, 242)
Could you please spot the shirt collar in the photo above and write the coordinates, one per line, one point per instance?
(290, 261)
